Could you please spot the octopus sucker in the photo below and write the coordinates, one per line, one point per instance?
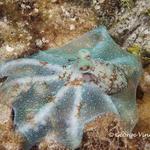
(55, 93)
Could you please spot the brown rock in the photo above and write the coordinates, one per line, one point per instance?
(101, 134)
(51, 145)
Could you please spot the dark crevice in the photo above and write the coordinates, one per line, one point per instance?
(35, 147)
(3, 79)
(13, 118)
(121, 38)
(139, 93)
(12, 114)
(84, 3)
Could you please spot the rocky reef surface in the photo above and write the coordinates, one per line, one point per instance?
(27, 26)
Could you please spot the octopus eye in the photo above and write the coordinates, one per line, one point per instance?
(84, 68)
(87, 67)
(88, 57)
(81, 68)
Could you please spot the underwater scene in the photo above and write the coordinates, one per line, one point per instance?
(74, 75)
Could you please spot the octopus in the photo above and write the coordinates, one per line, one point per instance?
(57, 91)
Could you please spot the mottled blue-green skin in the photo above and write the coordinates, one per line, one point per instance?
(53, 97)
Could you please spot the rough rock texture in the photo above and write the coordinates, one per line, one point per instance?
(144, 117)
(102, 134)
(145, 81)
(48, 144)
(106, 11)
(132, 26)
(9, 140)
(32, 25)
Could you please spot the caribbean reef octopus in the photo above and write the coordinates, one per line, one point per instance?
(58, 91)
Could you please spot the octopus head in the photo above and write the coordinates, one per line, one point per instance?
(85, 62)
